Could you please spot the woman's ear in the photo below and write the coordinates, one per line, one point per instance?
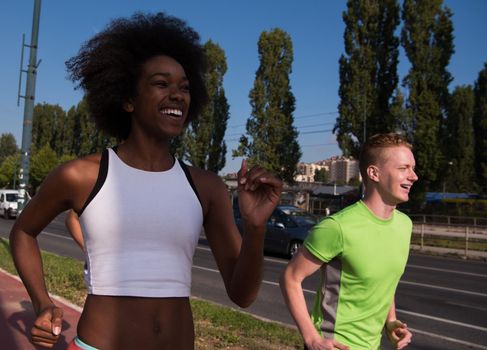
(373, 173)
(128, 107)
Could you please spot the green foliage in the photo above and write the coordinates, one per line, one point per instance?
(368, 73)
(480, 129)
(459, 141)
(9, 171)
(427, 37)
(64, 276)
(355, 182)
(71, 132)
(47, 125)
(219, 327)
(8, 146)
(42, 162)
(271, 139)
(321, 175)
(203, 140)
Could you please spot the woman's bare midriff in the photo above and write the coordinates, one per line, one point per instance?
(117, 323)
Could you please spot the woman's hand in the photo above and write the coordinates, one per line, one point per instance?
(258, 194)
(47, 327)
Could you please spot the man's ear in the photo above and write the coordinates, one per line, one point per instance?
(128, 107)
(373, 173)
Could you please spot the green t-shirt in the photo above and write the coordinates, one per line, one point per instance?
(365, 257)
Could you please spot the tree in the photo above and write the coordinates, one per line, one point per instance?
(321, 175)
(203, 140)
(480, 129)
(8, 146)
(354, 182)
(368, 72)
(272, 137)
(86, 137)
(43, 161)
(459, 141)
(427, 37)
(47, 125)
(9, 171)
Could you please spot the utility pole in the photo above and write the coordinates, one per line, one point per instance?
(29, 98)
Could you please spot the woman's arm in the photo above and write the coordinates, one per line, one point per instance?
(240, 257)
(60, 191)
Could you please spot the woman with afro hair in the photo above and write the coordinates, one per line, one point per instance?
(142, 210)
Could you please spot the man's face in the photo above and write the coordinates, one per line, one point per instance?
(396, 174)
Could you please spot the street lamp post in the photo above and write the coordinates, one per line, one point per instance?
(28, 105)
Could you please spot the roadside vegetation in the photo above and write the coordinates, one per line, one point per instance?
(216, 327)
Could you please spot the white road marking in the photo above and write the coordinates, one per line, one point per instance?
(453, 340)
(448, 271)
(444, 288)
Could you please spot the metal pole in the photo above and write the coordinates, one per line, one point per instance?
(29, 106)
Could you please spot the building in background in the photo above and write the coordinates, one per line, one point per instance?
(306, 171)
(340, 170)
(343, 169)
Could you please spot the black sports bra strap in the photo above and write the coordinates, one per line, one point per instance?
(102, 175)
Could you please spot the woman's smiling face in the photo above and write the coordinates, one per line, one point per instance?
(161, 105)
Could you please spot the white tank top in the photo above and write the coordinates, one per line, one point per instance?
(140, 230)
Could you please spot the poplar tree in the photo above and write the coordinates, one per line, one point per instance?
(368, 72)
(8, 146)
(9, 171)
(203, 140)
(87, 138)
(47, 125)
(459, 141)
(480, 129)
(427, 37)
(271, 139)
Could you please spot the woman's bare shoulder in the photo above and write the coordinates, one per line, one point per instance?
(72, 182)
(80, 169)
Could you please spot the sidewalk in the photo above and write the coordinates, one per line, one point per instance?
(17, 316)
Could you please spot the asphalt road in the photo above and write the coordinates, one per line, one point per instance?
(443, 300)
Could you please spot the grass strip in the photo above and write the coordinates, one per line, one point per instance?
(216, 326)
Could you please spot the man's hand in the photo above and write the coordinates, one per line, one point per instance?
(258, 194)
(398, 334)
(47, 327)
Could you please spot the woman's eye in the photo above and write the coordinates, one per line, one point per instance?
(161, 83)
(185, 88)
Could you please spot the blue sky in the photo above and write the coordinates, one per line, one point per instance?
(315, 26)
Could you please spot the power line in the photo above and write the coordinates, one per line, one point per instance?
(301, 133)
(320, 144)
(304, 116)
(297, 127)
(314, 125)
(315, 132)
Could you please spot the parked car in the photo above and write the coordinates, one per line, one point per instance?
(8, 203)
(287, 228)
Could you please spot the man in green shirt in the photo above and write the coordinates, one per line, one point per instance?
(361, 252)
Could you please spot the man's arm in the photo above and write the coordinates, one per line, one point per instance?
(301, 266)
(397, 332)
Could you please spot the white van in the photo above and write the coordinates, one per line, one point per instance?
(8, 203)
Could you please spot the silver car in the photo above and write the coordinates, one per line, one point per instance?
(287, 228)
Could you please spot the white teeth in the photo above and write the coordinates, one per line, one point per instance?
(171, 111)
